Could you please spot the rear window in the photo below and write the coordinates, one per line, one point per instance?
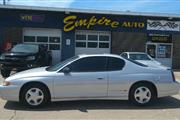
(139, 57)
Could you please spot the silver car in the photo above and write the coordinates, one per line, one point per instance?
(143, 58)
(85, 77)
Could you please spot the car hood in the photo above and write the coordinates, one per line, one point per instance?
(35, 72)
(17, 54)
(152, 63)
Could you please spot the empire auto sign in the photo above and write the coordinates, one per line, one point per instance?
(72, 22)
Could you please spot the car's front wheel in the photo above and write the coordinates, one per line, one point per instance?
(142, 94)
(34, 95)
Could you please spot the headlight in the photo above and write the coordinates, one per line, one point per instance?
(30, 58)
(2, 57)
(6, 83)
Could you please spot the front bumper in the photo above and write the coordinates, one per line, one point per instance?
(10, 93)
(18, 66)
(167, 89)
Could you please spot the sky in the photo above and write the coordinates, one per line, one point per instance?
(149, 6)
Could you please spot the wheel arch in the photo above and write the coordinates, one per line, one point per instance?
(145, 82)
(34, 82)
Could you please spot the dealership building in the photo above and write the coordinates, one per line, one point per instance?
(69, 32)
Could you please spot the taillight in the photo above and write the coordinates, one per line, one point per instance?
(173, 76)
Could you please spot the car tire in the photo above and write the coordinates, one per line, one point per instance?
(5, 73)
(34, 96)
(142, 94)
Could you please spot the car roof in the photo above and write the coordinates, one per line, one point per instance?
(92, 55)
(135, 52)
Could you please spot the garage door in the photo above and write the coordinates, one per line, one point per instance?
(49, 37)
(92, 42)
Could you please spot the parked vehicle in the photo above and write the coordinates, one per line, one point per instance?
(22, 57)
(84, 77)
(143, 58)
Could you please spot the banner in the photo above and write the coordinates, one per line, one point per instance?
(163, 25)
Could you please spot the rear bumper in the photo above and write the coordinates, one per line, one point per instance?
(167, 89)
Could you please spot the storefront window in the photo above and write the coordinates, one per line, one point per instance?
(29, 38)
(164, 51)
(80, 37)
(43, 39)
(103, 38)
(103, 45)
(92, 40)
(92, 45)
(54, 39)
(54, 47)
(80, 44)
(92, 37)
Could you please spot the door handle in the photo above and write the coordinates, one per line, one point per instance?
(100, 78)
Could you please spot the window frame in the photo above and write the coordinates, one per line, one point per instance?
(48, 43)
(115, 58)
(98, 34)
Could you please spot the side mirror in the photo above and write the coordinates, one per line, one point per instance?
(66, 70)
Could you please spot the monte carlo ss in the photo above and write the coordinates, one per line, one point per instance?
(85, 77)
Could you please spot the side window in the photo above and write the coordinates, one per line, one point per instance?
(115, 64)
(89, 64)
(124, 55)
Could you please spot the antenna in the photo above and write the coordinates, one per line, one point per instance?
(4, 2)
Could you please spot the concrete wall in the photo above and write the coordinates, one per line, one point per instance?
(126, 41)
(176, 52)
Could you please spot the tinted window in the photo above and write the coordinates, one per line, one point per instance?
(61, 64)
(139, 57)
(89, 64)
(115, 64)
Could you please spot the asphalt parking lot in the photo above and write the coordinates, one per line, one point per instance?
(167, 108)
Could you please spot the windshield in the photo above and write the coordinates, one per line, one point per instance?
(61, 64)
(25, 48)
(139, 57)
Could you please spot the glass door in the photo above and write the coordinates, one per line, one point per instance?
(164, 54)
(161, 52)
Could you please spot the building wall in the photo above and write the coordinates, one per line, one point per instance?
(176, 52)
(13, 34)
(128, 41)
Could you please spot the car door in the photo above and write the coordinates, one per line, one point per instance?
(87, 77)
(117, 77)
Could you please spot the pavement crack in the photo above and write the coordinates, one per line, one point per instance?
(13, 116)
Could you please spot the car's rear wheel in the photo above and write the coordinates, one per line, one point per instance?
(5, 73)
(142, 94)
(34, 95)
